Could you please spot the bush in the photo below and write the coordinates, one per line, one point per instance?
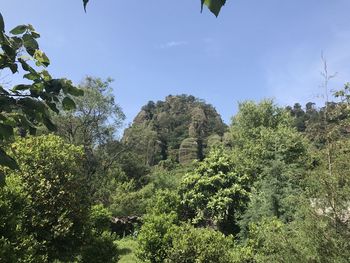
(198, 245)
(54, 187)
(155, 237)
(100, 249)
(100, 218)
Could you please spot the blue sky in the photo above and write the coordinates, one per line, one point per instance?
(253, 50)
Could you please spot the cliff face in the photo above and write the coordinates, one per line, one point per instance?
(163, 129)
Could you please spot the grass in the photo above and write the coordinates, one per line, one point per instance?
(127, 248)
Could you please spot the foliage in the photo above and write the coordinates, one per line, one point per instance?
(15, 244)
(96, 117)
(100, 249)
(127, 199)
(214, 194)
(155, 239)
(127, 249)
(160, 128)
(54, 189)
(25, 106)
(100, 218)
(199, 245)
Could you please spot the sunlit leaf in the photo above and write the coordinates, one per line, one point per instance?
(41, 58)
(19, 30)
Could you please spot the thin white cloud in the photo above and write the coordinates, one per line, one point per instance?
(172, 44)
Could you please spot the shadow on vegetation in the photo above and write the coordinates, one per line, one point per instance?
(124, 251)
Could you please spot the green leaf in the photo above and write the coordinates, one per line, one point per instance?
(21, 87)
(26, 66)
(68, 104)
(31, 76)
(85, 2)
(46, 75)
(30, 44)
(75, 91)
(35, 34)
(41, 58)
(19, 30)
(213, 5)
(2, 24)
(7, 161)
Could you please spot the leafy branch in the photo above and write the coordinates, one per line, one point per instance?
(26, 106)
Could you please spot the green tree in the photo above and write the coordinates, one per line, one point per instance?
(96, 117)
(214, 194)
(54, 186)
(25, 106)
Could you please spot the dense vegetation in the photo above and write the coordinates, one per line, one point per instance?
(178, 129)
(179, 186)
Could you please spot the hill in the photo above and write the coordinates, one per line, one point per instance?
(178, 129)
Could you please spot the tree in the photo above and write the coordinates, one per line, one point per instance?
(25, 106)
(95, 119)
(54, 187)
(214, 194)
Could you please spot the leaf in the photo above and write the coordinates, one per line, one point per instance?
(68, 104)
(46, 75)
(30, 44)
(11, 52)
(19, 30)
(21, 87)
(2, 24)
(41, 58)
(85, 2)
(213, 5)
(75, 91)
(26, 66)
(7, 161)
(31, 76)
(35, 34)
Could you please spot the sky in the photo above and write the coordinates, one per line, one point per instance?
(254, 50)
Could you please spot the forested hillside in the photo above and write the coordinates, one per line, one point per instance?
(178, 129)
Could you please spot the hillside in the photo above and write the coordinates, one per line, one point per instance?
(177, 129)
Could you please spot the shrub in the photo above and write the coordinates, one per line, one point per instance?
(198, 245)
